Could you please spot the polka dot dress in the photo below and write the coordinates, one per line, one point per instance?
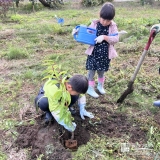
(98, 60)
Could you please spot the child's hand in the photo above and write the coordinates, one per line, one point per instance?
(87, 114)
(99, 39)
(83, 112)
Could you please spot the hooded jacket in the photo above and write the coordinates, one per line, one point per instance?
(59, 111)
(111, 39)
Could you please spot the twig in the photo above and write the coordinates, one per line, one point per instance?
(26, 120)
(61, 135)
(10, 146)
(14, 134)
(97, 153)
(144, 149)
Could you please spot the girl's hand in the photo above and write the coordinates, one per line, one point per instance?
(99, 39)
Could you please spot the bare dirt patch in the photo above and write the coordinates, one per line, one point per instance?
(7, 34)
(49, 140)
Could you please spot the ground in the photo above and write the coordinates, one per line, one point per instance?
(50, 140)
(23, 134)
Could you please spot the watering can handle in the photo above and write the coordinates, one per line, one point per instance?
(75, 33)
(91, 29)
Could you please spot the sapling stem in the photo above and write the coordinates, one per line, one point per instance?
(72, 136)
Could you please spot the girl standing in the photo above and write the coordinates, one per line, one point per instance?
(100, 55)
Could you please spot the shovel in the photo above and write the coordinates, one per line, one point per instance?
(70, 143)
(153, 32)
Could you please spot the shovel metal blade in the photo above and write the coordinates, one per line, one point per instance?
(71, 144)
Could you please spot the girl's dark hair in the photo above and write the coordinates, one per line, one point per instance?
(107, 11)
(79, 83)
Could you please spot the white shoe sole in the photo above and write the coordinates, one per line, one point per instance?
(93, 96)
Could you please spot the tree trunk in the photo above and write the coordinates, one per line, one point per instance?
(44, 3)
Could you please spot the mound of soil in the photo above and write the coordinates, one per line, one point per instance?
(49, 140)
(42, 140)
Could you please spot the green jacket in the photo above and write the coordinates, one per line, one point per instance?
(59, 100)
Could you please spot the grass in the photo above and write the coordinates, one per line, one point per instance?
(36, 36)
(17, 53)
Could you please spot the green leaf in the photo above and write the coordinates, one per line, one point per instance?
(54, 81)
(47, 77)
(48, 71)
(63, 72)
(64, 79)
(58, 95)
(54, 106)
(56, 74)
(63, 113)
(64, 95)
(68, 98)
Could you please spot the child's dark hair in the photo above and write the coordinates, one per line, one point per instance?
(107, 11)
(79, 83)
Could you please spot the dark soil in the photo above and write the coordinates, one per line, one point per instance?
(157, 118)
(49, 140)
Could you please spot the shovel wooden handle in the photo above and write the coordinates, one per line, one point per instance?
(151, 38)
(72, 136)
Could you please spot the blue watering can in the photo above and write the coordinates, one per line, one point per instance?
(85, 35)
